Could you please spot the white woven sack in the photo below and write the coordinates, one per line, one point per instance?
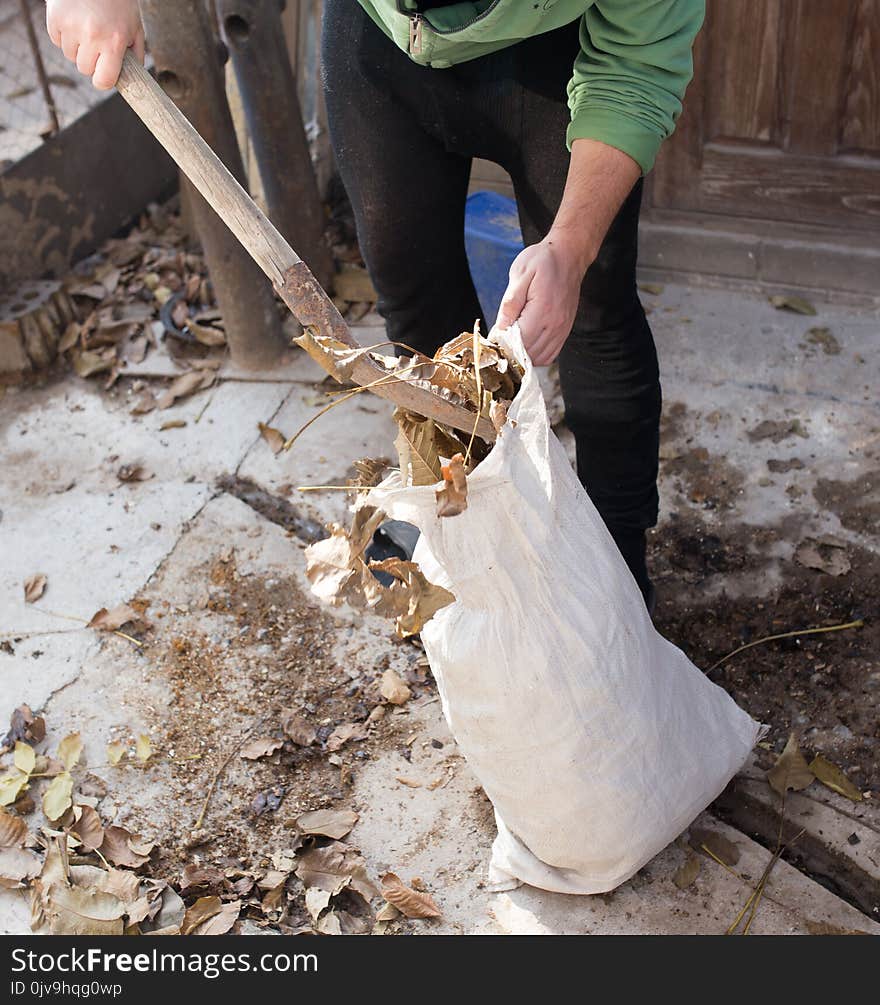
(597, 740)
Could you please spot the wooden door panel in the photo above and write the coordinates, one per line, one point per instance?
(782, 120)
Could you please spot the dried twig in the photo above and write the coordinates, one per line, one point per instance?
(786, 635)
(235, 749)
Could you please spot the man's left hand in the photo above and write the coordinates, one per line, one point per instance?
(542, 295)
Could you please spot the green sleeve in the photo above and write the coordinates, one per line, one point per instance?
(631, 73)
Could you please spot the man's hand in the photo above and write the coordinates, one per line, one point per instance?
(95, 35)
(545, 279)
(543, 292)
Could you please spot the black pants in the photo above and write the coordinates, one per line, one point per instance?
(404, 137)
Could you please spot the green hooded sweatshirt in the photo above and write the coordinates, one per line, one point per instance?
(628, 79)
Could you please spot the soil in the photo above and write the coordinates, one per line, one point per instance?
(826, 687)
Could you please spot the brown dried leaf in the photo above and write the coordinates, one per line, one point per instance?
(121, 847)
(335, 867)
(17, 867)
(796, 304)
(88, 829)
(833, 778)
(703, 839)
(143, 748)
(327, 823)
(417, 450)
(393, 689)
(791, 770)
(145, 403)
(337, 358)
(274, 437)
(133, 473)
(410, 903)
(186, 384)
(11, 786)
(452, 496)
(498, 414)
(412, 600)
(302, 733)
(206, 334)
(687, 873)
(35, 587)
(113, 620)
(23, 757)
(369, 472)
(344, 733)
(261, 746)
(13, 831)
(80, 911)
(825, 554)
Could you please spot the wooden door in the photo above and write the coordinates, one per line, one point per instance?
(782, 120)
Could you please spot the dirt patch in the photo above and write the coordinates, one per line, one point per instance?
(268, 648)
(705, 479)
(856, 503)
(826, 687)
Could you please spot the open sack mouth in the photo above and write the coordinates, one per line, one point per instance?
(479, 374)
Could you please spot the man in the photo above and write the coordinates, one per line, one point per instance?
(573, 98)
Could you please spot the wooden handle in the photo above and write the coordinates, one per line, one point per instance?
(289, 275)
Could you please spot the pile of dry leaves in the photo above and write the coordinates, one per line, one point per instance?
(469, 371)
(87, 877)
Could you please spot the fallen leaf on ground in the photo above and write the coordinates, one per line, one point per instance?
(452, 496)
(824, 338)
(317, 900)
(335, 867)
(24, 725)
(70, 750)
(825, 554)
(57, 797)
(115, 752)
(777, 430)
(410, 903)
(184, 385)
(143, 749)
(687, 873)
(78, 911)
(121, 847)
(796, 304)
(11, 786)
(833, 778)
(113, 620)
(35, 587)
(133, 473)
(261, 746)
(791, 770)
(703, 839)
(210, 916)
(196, 875)
(410, 782)
(327, 823)
(145, 403)
(344, 733)
(173, 424)
(393, 689)
(297, 729)
(274, 437)
(23, 757)
(88, 829)
(13, 831)
(17, 867)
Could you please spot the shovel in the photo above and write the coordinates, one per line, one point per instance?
(289, 275)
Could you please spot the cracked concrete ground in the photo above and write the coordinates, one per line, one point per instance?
(729, 362)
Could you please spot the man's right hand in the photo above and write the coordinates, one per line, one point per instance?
(95, 35)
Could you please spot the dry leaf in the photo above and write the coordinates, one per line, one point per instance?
(35, 587)
(143, 749)
(115, 752)
(369, 472)
(11, 786)
(411, 599)
(335, 867)
(113, 620)
(687, 873)
(410, 903)
(393, 689)
(210, 916)
(796, 304)
(317, 901)
(410, 782)
(173, 424)
(833, 778)
(337, 358)
(498, 415)
(24, 757)
(274, 437)
(70, 750)
(88, 829)
(262, 746)
(57, 797)
(703, 839)
(825, 554)
(302, 733)
(145, 403)
(790, 770)
(78, 911)
(13, 831)
(344, 733)
(206, 334)
(122, 848)
(327, 823)
(452, 496)
(17, 867)
(26, 726)
(186, 384)
(417, 449)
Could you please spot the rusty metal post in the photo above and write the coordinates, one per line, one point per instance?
(189, 66)
(254, 33)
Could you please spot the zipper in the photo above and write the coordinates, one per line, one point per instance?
(415, 34)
